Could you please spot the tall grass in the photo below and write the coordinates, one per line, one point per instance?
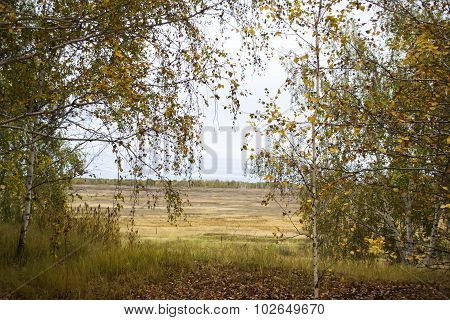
(84, 268)
(89, 269)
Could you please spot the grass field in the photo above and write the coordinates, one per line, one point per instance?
(212, 211)
(224, 250)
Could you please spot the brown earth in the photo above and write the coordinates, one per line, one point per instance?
(208, 283)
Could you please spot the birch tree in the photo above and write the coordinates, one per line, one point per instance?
(363, 151)
(115, 72)
(391, 108)
(300, 147)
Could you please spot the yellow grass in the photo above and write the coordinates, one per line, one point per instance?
(222, 222)
(225, 227)
(226, 211)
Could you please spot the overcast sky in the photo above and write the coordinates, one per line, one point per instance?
(222, 157)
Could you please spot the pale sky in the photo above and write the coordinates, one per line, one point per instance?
(222, 157)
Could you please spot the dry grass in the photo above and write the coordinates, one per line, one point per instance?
(219, 218)
(108, 271)
(211, 210)
(227, 229)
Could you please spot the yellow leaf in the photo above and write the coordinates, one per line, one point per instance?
(333, 149)
(118, 54)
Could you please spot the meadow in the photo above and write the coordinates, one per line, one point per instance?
(224, 249)
(226, 211)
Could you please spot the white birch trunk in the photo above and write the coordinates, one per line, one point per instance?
(28, 196)
(394, 231)
(314, 163)
(408, 225)
(433, 236)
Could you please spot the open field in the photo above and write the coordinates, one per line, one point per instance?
(211, 211)
(238, 267)
(224, 250)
